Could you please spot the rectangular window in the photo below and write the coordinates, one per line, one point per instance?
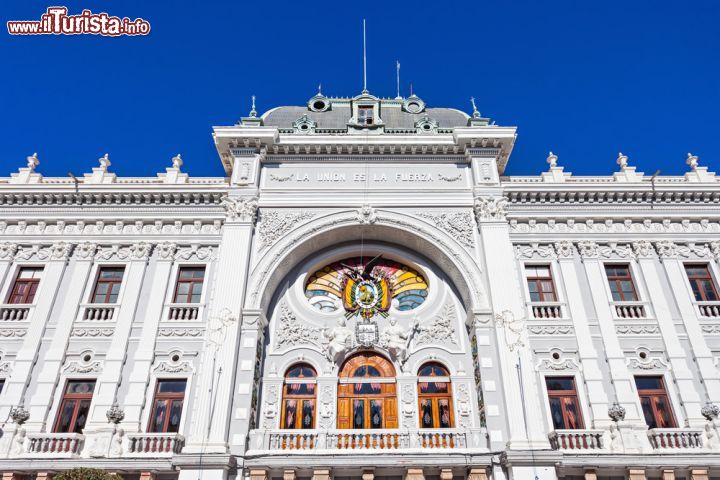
(107, 285)
(702, 283)
(621, 283)
(75, 406)
(2, 384)
(540, 283)
(564, 404)
(655, 402)
(26, 285)
(189, 285)
(167, 406)
(365, 115)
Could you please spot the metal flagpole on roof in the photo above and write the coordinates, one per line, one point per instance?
(398, 78)
(364, 59)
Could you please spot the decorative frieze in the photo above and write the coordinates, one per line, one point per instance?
(458, 225)
(637, 329)
(173, 367)
(136, 251)
(165, 250)
(85, 250)
(82, 367)
(564, 249)
(535, 250)
(92, 332)
(56, 251)
(551, 329)
(180, 332)
(643, 249)
(7, 250)
(195, 252)
(627, 226)
(441, 329)
(291, 331)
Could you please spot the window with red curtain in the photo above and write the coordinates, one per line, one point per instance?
(167, 406)
(435, 396)
(299, 392)
(26, 285)
(75, 406)
(655, 402)
(564, 404)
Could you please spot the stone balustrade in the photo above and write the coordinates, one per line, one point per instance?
(55, 445)
(630, 310)
(180, 312)
(546, 310)
(675, 438)
(708, 309)
(98, 312)
(14, 313)
(577, 440)
(154, 444)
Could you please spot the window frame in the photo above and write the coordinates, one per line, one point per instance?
(575, 394)
(300, 399)
(435, 397)
(192, 282)
(386, 385)
(363, 119)
(168, 398)
(709, 276)
(78, 397)
(656, 393)
(17, 280)
(97, 283)
(537, 281)
(616, 279)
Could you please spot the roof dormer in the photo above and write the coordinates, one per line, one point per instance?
(365, 114)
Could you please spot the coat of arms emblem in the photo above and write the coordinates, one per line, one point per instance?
(365, 293)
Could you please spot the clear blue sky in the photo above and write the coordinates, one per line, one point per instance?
(584, 79)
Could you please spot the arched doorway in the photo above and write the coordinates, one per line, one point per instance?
(367, 393)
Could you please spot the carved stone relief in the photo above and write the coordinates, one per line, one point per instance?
(458, 225)
(440, 329)
(274, 224)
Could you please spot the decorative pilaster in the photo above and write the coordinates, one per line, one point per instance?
(209, 420)
(651, 270)
(145, 352)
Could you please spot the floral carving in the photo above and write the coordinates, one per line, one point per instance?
(643, 249)
(136, 251)
(533, 250)
(458, 225)
(637, 329)
(441, 329)
(85, 250)
(292, 331)
(168, 367)
(201, 253)
(243, 209)
(56, 251)
(551, 329)
(7, 250)
(77, 367)
(273, 225)
(165, 250)
(490, 208)
(588, 249)
(666, 248)
(92, 332)
(564, 249)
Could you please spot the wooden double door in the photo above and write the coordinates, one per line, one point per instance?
(367, 397)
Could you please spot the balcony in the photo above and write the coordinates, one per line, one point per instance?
(630, 310)
(577, 441)
(708, 309)
(154, 444)
(546, 310)
(182, 312)
(54, 445)
(14, 313)
(98, 312)
(669, 439)
(352, 441)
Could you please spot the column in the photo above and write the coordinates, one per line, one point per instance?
(680, 368)
(107, 383)
(56, 257)
(588, 355)
(51, 364)
(522, 402)
(145, 354)
(208, 432)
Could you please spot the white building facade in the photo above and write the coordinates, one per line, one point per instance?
(365, 294)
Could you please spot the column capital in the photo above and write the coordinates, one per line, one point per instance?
(490, 208)
(565, 250)
(240, 209)
(588, 249)
(166, 251)
(643, 249)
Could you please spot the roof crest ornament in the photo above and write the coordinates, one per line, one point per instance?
(253, 112)
(476, 113)
(33, 161)
(622, 160)
(692, 161)
(552, 159)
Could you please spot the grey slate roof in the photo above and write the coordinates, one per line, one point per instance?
(339, 115)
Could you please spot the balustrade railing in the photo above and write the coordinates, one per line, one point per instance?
(154, 443)
(183, 312)
(14, 313)
(576, 440)
(546, 310)
(709, 309)
(371, 439)
(54, 444)
(630, 310)
(98, 312)
(675, 438)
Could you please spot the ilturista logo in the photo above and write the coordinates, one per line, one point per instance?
(56, 21)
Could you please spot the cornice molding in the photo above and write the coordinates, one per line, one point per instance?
(39, 198)
(642, 249)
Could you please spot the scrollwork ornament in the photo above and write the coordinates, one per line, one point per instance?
(458, 225)
(616, 412)
(85, 250)
(666, 249)
(710, 411)
(7, 250)
(643, 249)
(243, 209)
(166, 250)
(274, 224)
(564, 249)
(588, 249)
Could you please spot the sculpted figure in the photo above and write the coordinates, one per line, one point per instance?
(338, 339)
(397, 340)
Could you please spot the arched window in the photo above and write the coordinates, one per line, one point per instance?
(435, 396)
(298, 404)
(366, 394)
